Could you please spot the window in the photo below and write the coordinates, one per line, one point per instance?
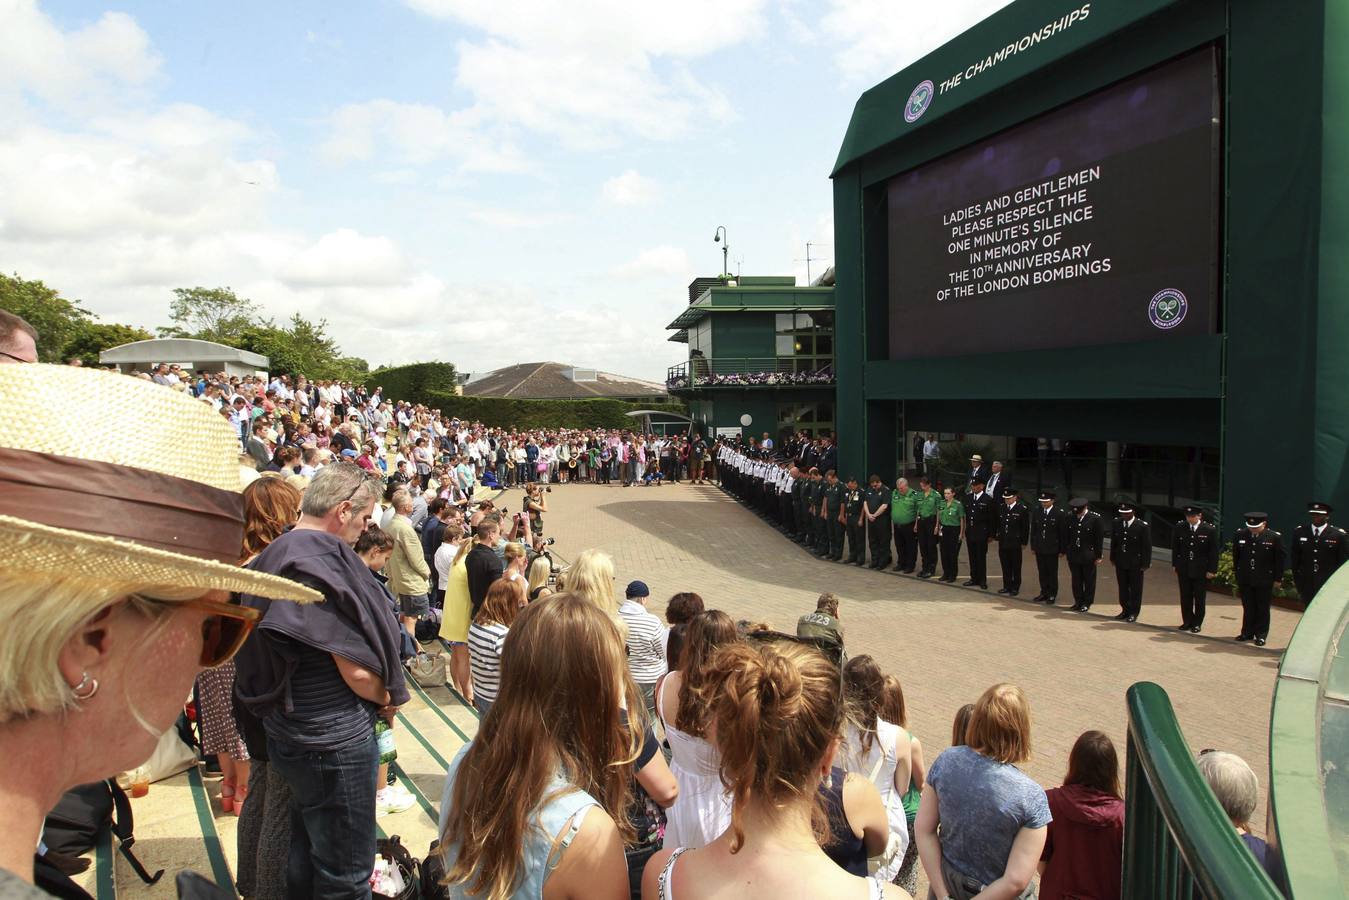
(807, 339)
(812, 418)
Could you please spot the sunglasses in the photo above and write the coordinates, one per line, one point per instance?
(223, 631)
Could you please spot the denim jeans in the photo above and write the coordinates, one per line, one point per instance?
(482, 706)
(332, 817)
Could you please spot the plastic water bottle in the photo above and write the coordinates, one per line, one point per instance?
(384, 739)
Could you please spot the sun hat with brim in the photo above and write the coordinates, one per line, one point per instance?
(110, 479)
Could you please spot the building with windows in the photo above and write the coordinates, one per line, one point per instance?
(761, 356)
(1109, 241)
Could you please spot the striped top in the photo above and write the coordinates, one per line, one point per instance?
(324, 713)
(646, 643)
(484, 649)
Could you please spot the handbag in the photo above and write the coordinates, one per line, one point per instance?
(428, 670)
(392, 849)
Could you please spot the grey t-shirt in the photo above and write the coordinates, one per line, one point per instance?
(983, 804)
(12, 887)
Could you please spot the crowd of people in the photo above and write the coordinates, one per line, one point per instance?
(801, 493)
(618, 755)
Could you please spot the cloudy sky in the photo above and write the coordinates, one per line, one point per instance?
(482, 182)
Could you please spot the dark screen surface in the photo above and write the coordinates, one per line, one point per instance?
(1096, 223)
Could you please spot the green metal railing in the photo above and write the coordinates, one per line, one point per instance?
(1309, 748)
(1178, 842)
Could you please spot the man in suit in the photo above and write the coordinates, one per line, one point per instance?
(979, 527)
(1317, 551)
(1258, 560)
(1048, 542)
(1194, 556)
(997, 482)
(1086, 537)
(1013, 533)
(978, 472)
(831, 511)
(1131, 555)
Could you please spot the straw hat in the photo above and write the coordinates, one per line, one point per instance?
(106, 478)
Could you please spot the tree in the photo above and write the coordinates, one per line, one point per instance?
(301, 347)
(209, 314)
(55, 318)
(92, 337)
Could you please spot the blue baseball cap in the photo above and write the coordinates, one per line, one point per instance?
(637, 589)
(349, 453)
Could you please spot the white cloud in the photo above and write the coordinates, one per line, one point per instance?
(415, 134)
(664, 262)
(347, 258)
(874, 39)
(82, 66)
(591, 71)
(630, 189)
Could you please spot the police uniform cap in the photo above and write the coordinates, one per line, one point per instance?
(977, 482)
(1255, 516)
(1046, 495)
(1324, 509)
(1010, 492)
(1125, 508)
(1077, 502)
(1194, 511)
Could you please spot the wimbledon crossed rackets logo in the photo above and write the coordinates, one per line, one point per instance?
(919, 101)
(1168, 308)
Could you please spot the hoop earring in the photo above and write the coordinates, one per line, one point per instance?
(88, 685)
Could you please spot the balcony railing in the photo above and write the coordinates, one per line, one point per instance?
(1178, 842)
(749, 372)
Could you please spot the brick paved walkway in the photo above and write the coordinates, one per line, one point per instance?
(945, 643)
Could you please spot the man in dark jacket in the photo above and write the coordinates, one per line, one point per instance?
(1013, 534)
(318, 676)
(1258, 560)
(1317, 551)
(1194, 556)
(1131, 555)
(980, 523)
(482, 563)
(433, 531)
(1048, 542)
(1086, 540)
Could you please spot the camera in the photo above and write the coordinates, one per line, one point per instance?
(550, 541)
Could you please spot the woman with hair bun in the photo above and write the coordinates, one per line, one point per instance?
(777, 717)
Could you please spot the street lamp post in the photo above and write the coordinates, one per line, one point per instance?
(720, 237)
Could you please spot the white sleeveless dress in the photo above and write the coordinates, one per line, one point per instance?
(702, 811)
(878, 766)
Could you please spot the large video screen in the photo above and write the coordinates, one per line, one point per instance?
(1096, 223)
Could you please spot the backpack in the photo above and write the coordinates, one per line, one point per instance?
(77, 822)
(433, 873)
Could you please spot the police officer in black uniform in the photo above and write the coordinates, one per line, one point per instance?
(831, 506)
(1258, 559)
(877, 500)
(980, 524)
(800, 518)
(1131, 555)
(855, 525)
(1194, 556)
(1013, 534)
(1048, 542)
(1317, 551)
(1086, 537)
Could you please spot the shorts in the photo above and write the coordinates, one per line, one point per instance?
(414, 605)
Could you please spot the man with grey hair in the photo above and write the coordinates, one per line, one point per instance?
(317, 677)
(1237, 789)
(18, 339)
(407, 569)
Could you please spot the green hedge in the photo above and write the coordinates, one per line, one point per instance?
(509, 413)
(414, 382)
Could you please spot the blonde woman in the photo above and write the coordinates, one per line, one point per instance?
(516, 560)
(592, 576)
(455, 621)
(539, 571)
(112, 600)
